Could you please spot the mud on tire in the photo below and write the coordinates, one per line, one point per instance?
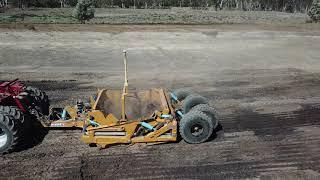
(195, 127)
(9, 134)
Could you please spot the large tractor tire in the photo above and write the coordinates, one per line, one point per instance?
(15, 113)
(195, 127)
(181, 94)
(191, 101)
(9, 134)
(40, 99)
(19, 117)
(209, 111)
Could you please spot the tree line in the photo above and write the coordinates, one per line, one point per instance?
(245, 5)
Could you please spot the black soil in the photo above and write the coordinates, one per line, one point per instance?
(255, 142)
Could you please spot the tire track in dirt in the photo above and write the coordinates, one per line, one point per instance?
(252, 143)
(147, 165)
(278, 122)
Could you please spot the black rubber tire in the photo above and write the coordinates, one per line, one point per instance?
(34, 90)
(181, 94)
(210, 111)
(12, 130)
(195, 119)
(40, 99)
(33, 98)
(19, 117)
(191, 101)
(15, 112)
(45, 104)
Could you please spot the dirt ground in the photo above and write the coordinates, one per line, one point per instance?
(264, 83)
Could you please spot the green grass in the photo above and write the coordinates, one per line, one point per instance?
(38, 16)
(150, 16)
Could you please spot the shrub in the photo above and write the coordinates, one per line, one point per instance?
(84, 11)
(314, 12)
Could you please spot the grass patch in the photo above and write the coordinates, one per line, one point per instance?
(150, 16)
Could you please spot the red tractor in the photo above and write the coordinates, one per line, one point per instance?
(19, 106)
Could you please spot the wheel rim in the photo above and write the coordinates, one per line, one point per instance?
(3, 138)
(196, 129)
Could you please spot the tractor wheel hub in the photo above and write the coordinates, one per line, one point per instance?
(3, 137)
(196, 129)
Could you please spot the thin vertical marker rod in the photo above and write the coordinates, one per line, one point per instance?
(125, 87)
(125, 69)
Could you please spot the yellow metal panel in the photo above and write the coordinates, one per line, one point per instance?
(72, 111)
(67, 123)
